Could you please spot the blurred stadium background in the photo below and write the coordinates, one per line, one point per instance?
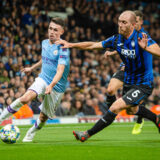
(24, 25)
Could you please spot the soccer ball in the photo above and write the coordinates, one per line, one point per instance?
(9, 133)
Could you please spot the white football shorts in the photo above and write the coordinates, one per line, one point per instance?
(50, 101)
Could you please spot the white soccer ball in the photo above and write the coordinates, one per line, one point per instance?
(9, 133)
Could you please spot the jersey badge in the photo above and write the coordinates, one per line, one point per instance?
(133, 44)
(55, 52)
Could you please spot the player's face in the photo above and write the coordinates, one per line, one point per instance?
(54, 32)
(125, 27)
(139, 23)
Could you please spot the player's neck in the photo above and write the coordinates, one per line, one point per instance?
(128, 35)
(53, 41)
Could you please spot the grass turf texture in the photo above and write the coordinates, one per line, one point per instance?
(113, 143)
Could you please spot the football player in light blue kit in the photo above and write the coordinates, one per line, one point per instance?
(51, 82)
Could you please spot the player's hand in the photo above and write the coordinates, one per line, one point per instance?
(109, 53)
(143, 41)
(64, 43)
(48, 89)
(26, 70)
(106, 54)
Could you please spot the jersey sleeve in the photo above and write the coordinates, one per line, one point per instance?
(64, 56)
(108, 43)
(150, 40)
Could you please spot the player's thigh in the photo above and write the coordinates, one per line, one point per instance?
(114, 85)
(28, 96)
(39, 86)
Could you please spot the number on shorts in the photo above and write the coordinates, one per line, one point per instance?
(135, 93)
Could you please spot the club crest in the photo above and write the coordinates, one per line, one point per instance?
(55, 52)
(133, 44)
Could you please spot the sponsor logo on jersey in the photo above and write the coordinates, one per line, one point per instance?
(129, 53)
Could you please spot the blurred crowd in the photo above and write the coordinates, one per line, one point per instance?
(24, 25)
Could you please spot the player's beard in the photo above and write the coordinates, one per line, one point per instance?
(120, 31)
(125, 32)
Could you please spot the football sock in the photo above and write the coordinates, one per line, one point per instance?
(11, 109)
(139, 119)
(37, 126)
(110, 100)
(146, 113)
(107, 119)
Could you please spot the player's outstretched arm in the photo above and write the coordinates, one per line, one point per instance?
(110, 53)
(57, 77)
(30, 69)
(81, 45)
(153, 49)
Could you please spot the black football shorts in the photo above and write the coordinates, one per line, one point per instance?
(134, 94)
(119, 75)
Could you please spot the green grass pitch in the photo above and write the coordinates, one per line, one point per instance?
(56, 142)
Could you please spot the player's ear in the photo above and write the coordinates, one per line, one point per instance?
(62, 31)
(142, 22)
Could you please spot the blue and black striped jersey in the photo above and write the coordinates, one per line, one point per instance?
(138, 62)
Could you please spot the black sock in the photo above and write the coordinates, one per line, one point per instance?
(110, 100)
(107, 119)
(139, 119)
(146, 113)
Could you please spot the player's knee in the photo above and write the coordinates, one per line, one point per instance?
(111, 90)
(115, 109)
(128, 111)
(132, 111)
(25, 99)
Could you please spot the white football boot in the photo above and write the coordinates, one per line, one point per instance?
(29, 136)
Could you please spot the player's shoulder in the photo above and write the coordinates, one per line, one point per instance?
(59, 46)
(45, 41)
(112, 38)
(142, 30)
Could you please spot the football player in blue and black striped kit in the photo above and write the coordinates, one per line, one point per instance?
(132, 47)
(117, 79)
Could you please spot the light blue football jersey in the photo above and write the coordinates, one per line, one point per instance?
(52, 55)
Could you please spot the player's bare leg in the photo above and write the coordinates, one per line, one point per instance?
(18, 103)
(37, 126)
(112, 88)
(109, 117)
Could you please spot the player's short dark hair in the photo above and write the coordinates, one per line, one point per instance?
(58, 21)
(138, 13)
